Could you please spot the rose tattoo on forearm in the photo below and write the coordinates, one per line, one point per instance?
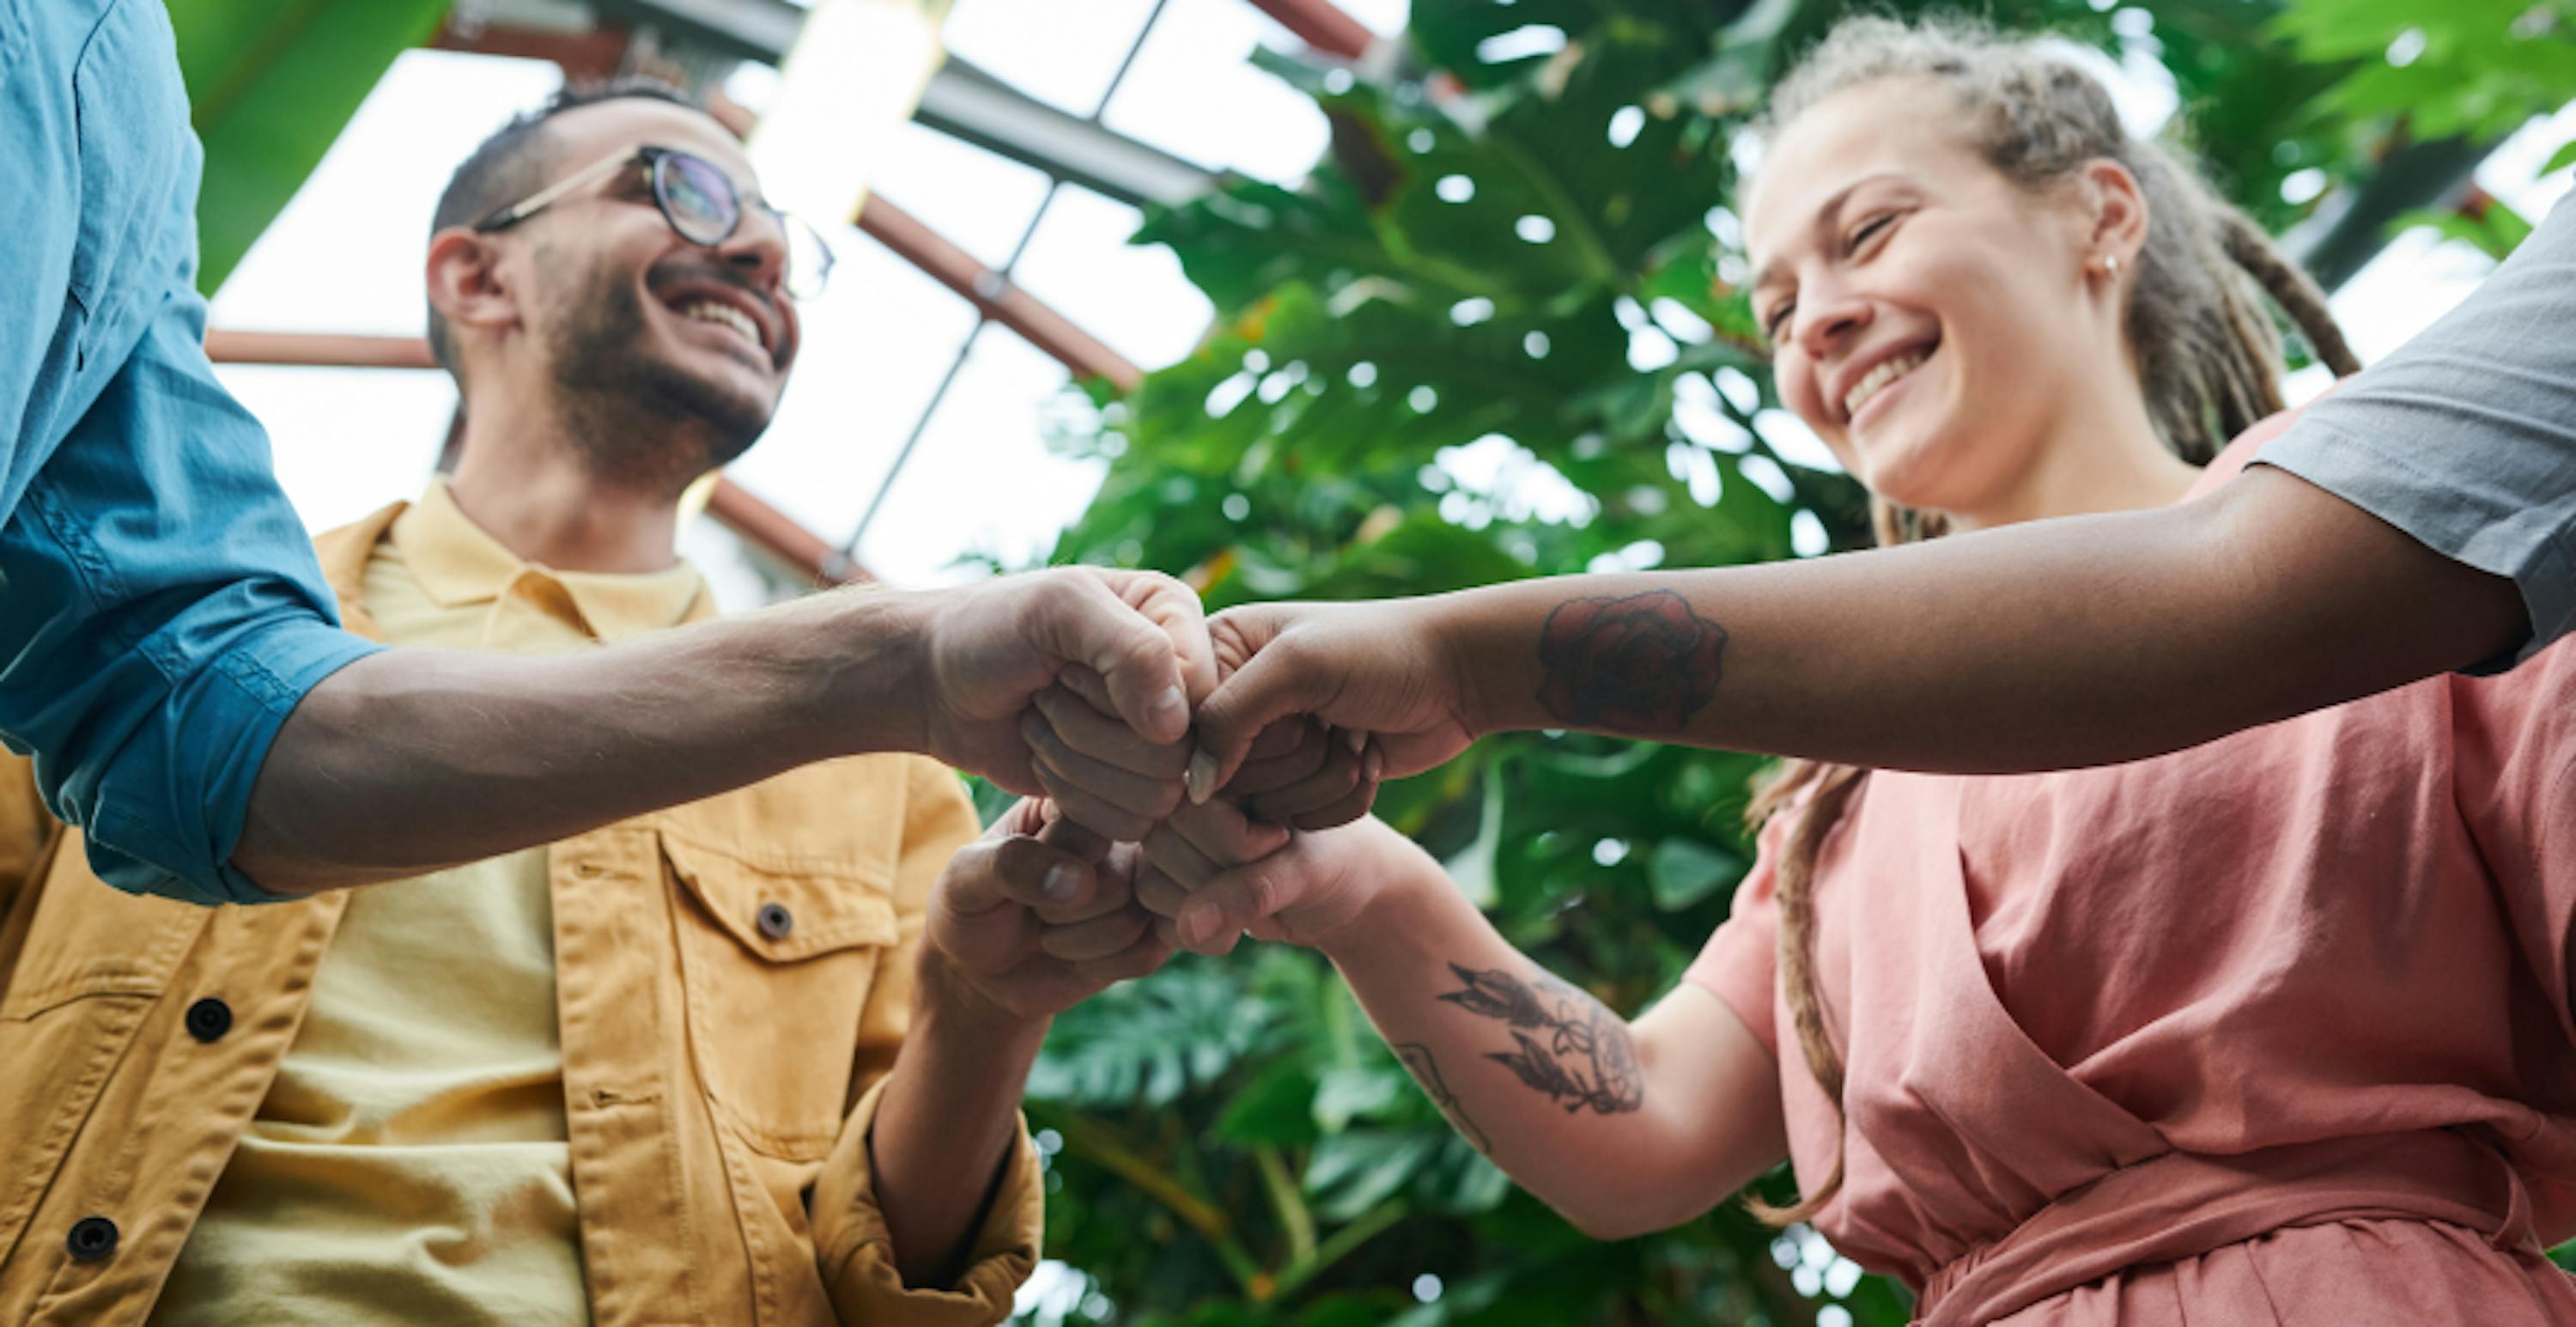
(1640, 664)
(1569, 1046)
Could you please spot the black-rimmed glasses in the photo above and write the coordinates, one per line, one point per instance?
(699, 201)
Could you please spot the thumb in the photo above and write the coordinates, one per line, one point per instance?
(1092, 624)
(1235, 899)
(971, 883)
(1266, 688)
(1174, 607)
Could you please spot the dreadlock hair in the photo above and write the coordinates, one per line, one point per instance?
(515, 162)
(2208, 358)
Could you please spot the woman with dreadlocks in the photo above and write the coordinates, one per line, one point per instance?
(2271, 1030)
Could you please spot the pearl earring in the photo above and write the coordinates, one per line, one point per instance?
(2110, 264)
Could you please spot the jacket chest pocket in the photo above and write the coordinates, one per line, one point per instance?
(776, 965)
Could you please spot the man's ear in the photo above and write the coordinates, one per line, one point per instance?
(465, 284)
(2119, 212)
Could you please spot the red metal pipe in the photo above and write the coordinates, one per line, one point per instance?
(1322, 25)
(777, 534)
(994, 294)
(587, 57)
(327, 350)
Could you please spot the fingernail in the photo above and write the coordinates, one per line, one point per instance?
(1172, 709)
(1062, 882)
(1199, 923)
(1355, 738)
(1201, 777)
(1373, 764)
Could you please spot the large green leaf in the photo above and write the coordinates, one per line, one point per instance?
(270, 86)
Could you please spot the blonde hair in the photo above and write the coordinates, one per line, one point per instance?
(2209, 360)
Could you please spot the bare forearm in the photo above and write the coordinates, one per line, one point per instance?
(2055, 644)
(413, 760)
(945, 1125)
(1540, 1077)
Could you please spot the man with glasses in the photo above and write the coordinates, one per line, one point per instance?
(646, 1073)
(168, 649)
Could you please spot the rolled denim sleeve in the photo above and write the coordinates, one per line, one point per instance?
(165, 614)
(161, 612)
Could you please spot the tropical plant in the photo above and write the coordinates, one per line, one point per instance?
(1497, 334)
(2475, 71)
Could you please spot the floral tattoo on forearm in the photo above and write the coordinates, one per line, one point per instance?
(1568, 1045)
(1640, 664)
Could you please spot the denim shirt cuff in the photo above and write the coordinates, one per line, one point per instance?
(219, 731)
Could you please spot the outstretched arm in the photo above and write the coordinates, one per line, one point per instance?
(1624, 1127)
(1024, 923)
(410, 760)
(2054, 644)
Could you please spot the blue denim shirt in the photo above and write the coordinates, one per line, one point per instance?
(160, 608)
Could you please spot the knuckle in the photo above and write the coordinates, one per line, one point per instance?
(1013, 859)
(1265, 891)
(982, 857)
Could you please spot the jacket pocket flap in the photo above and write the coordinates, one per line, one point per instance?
(782, 915)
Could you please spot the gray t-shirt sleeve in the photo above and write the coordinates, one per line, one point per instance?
(2465, 438)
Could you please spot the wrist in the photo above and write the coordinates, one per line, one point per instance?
(1407, 888)
(950, 1004)
(876, 670)
(1461, 643)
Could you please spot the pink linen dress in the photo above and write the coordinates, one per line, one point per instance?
(2273, 1030)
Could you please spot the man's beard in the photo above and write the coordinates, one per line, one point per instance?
(638, 420)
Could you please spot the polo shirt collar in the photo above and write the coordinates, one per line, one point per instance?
(457, 563)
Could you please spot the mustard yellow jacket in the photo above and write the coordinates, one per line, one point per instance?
(719, 1075)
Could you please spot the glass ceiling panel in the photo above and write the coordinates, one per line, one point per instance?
(982, 480)
(738, 579)
(980, 201)
(1134, 298)
(346, 441)
(1195, 94)
(346, 254)
(875, 347)
(1386, 18)
(1062, 52)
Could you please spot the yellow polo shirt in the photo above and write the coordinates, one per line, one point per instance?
(410, 1163)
